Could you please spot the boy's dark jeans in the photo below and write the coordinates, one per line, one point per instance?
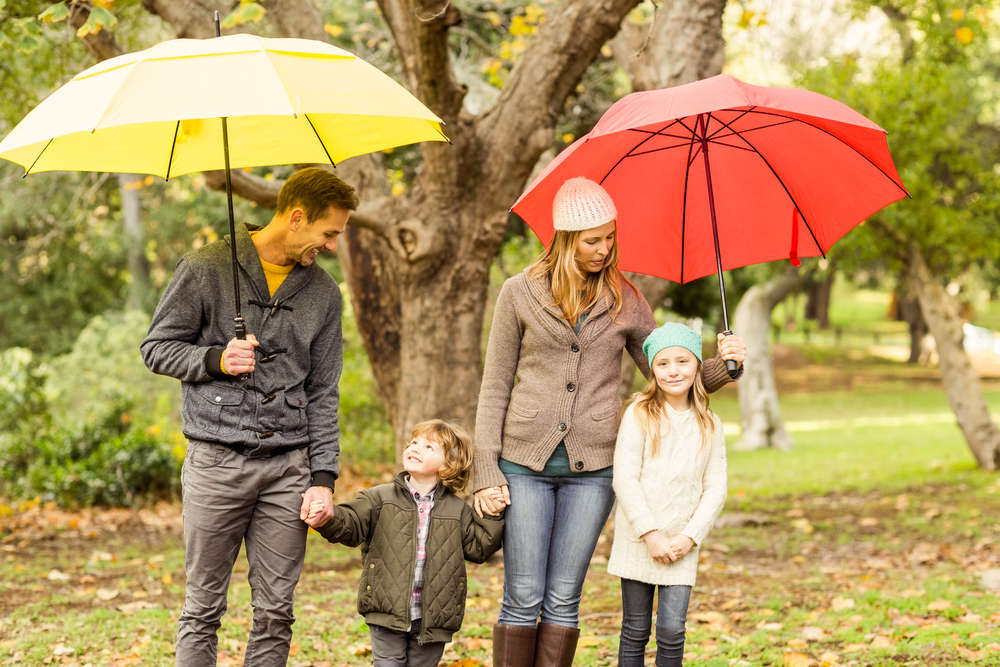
(392, 648)
(637, 619)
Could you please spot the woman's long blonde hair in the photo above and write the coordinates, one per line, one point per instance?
(651, 408)
(574, 289)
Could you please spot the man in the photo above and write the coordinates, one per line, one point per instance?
(260, 414)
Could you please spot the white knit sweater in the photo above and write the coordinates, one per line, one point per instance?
(679, 491)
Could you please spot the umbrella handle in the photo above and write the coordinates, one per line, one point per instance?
(241, 334)
(731, 367)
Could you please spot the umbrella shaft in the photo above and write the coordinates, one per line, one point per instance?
(240, 329)
(711, 207)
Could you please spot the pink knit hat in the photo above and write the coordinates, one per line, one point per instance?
(582, 204)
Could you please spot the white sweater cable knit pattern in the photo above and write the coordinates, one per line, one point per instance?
(679, 491)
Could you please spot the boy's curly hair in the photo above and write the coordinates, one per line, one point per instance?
(456, 471)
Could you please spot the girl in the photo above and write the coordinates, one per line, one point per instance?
(548, 417)
(670, 478)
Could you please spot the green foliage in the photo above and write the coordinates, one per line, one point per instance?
(937, 98)
(247, 12)
(81, 452)
(106, 463)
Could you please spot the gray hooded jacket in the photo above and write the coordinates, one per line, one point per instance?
(292, 397)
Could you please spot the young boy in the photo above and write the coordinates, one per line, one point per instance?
(415, 535)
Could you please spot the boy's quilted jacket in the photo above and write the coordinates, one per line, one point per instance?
(383, 520)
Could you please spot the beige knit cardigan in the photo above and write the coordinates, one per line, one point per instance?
(543, 384)
(680, 491)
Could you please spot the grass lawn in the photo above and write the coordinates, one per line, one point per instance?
(864, 545)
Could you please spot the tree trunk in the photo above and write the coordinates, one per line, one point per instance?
(818, 299)
(961, 383)
(758, 395)
(908, 310)
(682, 44)
(140, 287)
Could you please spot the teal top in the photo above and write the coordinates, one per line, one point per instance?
(556, 466)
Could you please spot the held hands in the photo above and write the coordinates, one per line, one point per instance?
(238, 357)
(667, 551)
(317, 506)
(491, 500)
(732, 347)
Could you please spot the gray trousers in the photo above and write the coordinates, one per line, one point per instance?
(228, 499)
(392, 648)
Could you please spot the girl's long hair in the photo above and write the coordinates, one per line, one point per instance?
(651, 409)
(574, 289)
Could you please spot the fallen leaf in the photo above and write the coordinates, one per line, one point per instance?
(840, 603)
(731, 604)
(803, 526)
(132, 607)
(850, 648)
(167, 578)
(485, 603)
(56, 575)
(912, 593)
(795, 514)
(814, 634)
(969, 653)
(107, 593)
(829, 659)
(62, 649)
(924, 553)
(795, 642)
(588, 642)
(769, 626)
(939, 605)
(796, 659)
(881, 642)
(361, 649)
(467, 662)
(87, 579)
(869, 521)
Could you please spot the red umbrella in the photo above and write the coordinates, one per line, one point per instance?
(718, 174)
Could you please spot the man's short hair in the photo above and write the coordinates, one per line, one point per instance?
(315, 190)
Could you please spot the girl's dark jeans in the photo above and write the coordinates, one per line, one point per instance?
(637, 613)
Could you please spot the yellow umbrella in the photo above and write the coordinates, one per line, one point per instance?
(189, 105)
(159, 111)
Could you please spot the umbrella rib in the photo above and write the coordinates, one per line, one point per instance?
(687, 174)
(724, 125)
(785, 188)
(319, 140)
(173, 145)
(38, 157)
(622, 158)
(778, 115)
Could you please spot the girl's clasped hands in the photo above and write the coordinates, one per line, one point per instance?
(667, 550)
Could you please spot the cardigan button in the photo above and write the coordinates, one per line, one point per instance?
(571, 387)
(562, 426)
(574, 347)
(372, 566)
(579, 465)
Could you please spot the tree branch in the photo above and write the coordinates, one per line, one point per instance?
(261, 191)
(102, 45)
(519, 127)
(189, 18)
(424, 53)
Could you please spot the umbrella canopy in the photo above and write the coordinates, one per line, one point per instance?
(781, 173)
(159, 111)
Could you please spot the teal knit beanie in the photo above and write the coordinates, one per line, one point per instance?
(671, 334)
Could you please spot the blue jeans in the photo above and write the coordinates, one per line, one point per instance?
(552, 527)
(637, 612)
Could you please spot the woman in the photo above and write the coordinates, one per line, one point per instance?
(548, 419)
